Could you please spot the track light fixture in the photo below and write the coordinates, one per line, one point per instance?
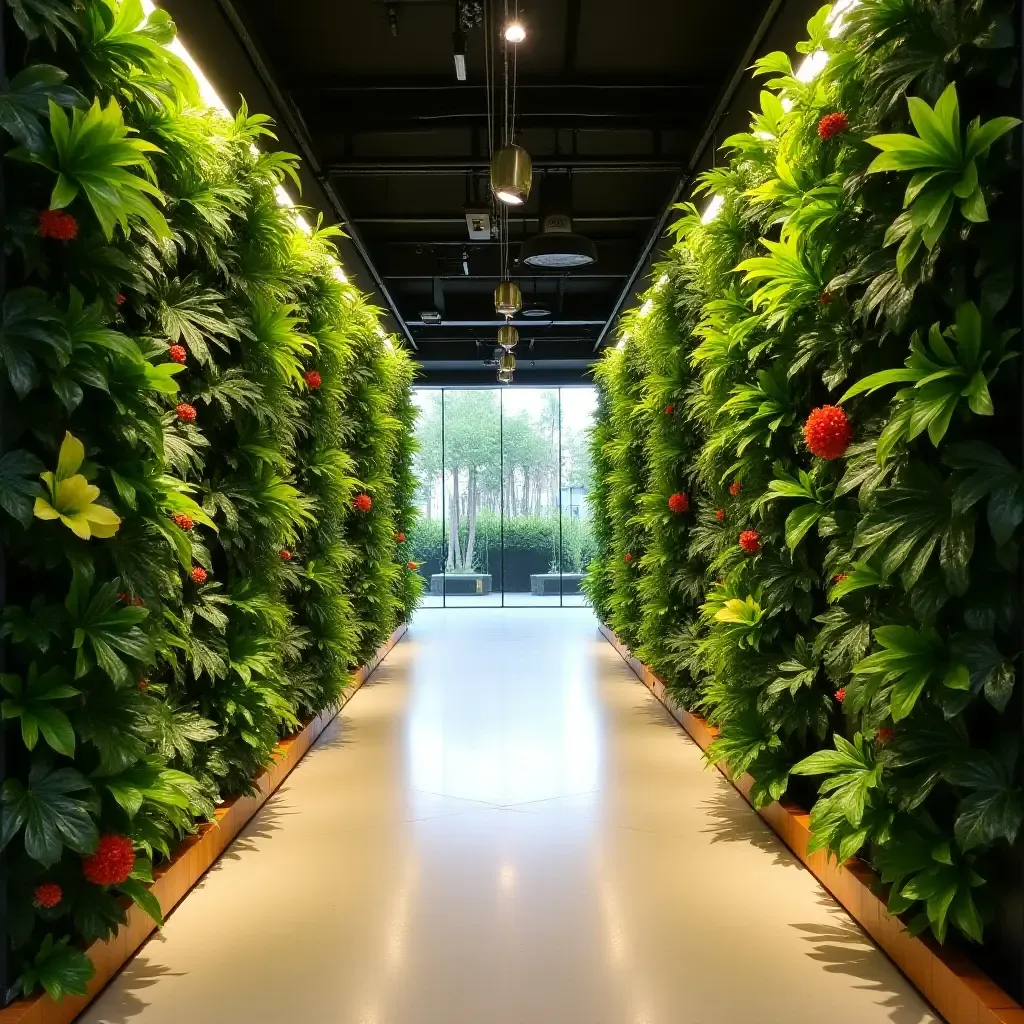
(508, 337)
(459, 47)
(508, 299)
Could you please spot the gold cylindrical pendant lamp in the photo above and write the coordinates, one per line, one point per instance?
(508, 299)
(511, 175)
(504, 376)
(507, 362)
(508, 337)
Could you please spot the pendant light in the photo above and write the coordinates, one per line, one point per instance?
(507, 362)
(508, 299)
(511, 175)
(508, 337)
(504, 376)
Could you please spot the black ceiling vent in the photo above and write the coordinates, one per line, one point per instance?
(557, 247)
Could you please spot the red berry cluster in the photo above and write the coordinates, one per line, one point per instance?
(198, 575)
(827, 432)
(363, 502)
(286, 555)
(669, 409)
(627, 558)
(720, 514)
(121, 298)
(184, 521)
(129, 599)
(826, 298)
(178, 354)
(840, 576)
(143, 684)
(48, 895)
(750, 541)
(884, 735)
(412, 566)
(735, 487)
(841, 694)
(400, 537)
(833, 124)
(112, 862)
(57, 224)
(186, 413)
(313, 379)
(679, 503)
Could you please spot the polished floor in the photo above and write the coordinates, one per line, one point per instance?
(504, 827)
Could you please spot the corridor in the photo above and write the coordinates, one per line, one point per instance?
(504, 827)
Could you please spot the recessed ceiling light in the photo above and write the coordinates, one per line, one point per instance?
(515, 32)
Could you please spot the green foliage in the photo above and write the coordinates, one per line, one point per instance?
(136, 697)
(869, 639)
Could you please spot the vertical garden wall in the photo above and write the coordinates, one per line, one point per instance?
(205, 477)
(811, 493)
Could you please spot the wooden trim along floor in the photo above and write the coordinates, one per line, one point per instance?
(193, 858)
(954, 986)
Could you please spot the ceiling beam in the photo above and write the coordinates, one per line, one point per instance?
(496, 323)
(573, 9)
(577, 164)
(460, 219)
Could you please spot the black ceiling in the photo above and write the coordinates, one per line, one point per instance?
(620, 96)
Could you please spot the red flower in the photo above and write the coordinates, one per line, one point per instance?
(719, 514)
(679, 503)
(112, 862)
(884, 735)
(841, 694)
(627, 558)
(177, 353)
(363, 502)
(826, 298)
(750, 541)
(143, 684)
(840, 576)
(827, 432)
(198, 575)
(833, 124)
(286, 555)
(184, 521)
(57, 224)
(121, 298)
(313, 379)
(400, 537)
(413, 566)
(735, 487)
(49, 894)
(669, 409)
(186, 413)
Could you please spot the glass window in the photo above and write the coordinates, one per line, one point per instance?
(503, 513)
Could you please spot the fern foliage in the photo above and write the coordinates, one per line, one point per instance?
(858, 647)
(193, 394)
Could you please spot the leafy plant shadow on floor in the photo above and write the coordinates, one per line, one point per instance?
(841, 947)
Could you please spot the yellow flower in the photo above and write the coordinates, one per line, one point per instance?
(72, 499)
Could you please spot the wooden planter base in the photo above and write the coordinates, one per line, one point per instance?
(192, 859)
(954, 986)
